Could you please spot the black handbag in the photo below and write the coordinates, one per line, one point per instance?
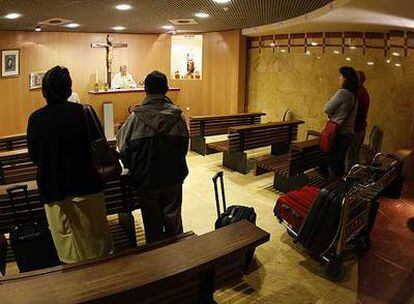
(31, 241)
(105, 159)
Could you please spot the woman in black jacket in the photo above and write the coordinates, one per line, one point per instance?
(70, 187)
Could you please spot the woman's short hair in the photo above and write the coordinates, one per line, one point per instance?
(156, 83)
(351, 82)
(57, 85)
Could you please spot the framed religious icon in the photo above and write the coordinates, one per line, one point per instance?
(10, 63)
(35, 80)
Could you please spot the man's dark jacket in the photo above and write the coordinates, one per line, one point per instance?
(153, 144)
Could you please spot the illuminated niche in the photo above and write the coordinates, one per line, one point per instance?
(187, 57)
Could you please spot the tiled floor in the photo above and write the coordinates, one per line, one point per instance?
(386, 273)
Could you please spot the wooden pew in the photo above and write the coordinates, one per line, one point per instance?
(13, 142)
(202, 126)
(119, 200)
(278, 135)
(16, 166)
(182, 272)
(305, 158)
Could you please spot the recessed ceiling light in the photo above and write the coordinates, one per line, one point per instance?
(202, 15)
(222, 1)
(348, 59)
(123, 7)
(370, 63)
(307, 53)
(167, 27)
(352, 47)
(398, 64)
(396, 54)
(72, 25)
(283, 50)
(272, 44)
(336, 52)
(388, 61)
(314, 43)
(12, 16)
(118, 28)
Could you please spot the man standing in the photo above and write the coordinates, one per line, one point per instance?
(153, 144)
(123, 80)
(360, 122)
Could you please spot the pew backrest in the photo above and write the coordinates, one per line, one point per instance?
(119, 197)
(209, 125)
(13, 142)
(304, 156)
(244, 138)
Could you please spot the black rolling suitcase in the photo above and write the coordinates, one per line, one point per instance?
(31, 242)
(233, 213)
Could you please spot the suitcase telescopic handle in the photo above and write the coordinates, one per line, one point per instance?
(219, 175)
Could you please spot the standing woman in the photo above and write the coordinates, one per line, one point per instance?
(342, 109)
(69, 185)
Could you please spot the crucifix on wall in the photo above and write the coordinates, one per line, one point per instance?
(109, 46)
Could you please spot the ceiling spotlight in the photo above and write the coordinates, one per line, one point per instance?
(72, 25)
(222, 1)
(38, 28)
(283, 50)
(167, 27)
(388, 61)
(336, 52)
(272, 44)
(12, 16)
(352, 47)
(314, 43)
(118, 28)
(396, 54)
(398, 64)
(348, 59)
(370, 63)
(123, 7)
(307, 53)
(202, 15)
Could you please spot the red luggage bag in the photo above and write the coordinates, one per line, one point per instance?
(294, 206)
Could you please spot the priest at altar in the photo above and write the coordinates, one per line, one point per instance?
(123, 80)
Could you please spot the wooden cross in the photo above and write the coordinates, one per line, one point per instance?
(109, 46)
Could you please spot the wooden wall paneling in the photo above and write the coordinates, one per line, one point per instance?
(217, 93)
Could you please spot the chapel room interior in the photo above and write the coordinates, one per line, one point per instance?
(251, 81)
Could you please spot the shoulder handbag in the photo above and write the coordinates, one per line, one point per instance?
(104, 158)
(328, 135)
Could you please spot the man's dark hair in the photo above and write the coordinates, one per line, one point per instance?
(351, 82)
(57, 85)
(156, 83)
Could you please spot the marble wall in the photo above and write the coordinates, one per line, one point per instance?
(304, 83)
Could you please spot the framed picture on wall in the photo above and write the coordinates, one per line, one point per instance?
(10, 63)
(35, 80)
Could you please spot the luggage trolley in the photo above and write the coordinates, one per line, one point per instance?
(356, 218)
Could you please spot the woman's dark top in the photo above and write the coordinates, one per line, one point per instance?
(59, 145)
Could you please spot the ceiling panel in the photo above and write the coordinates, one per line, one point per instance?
(148, 16)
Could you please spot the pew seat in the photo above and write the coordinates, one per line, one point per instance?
(180, 272)
(202, 126)
(277, 135)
